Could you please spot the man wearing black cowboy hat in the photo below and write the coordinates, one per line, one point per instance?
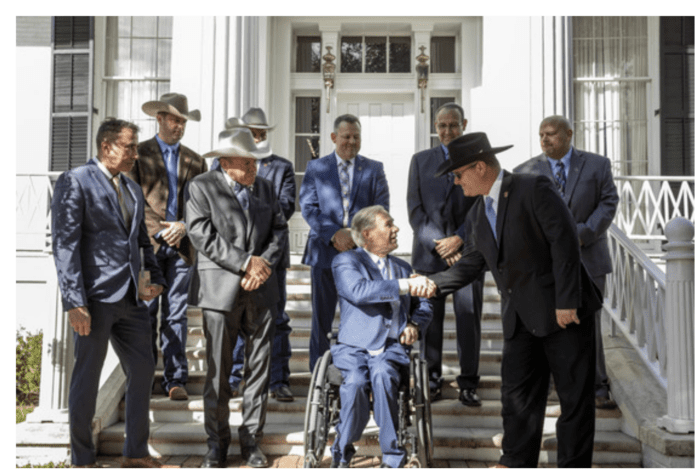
(163, 171)
(522, 230)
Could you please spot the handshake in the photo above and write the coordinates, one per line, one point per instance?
(421, 286)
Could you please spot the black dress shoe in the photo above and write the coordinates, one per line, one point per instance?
(469, 398)
(435, 394)
(253, 456)
(340, 465)
(282, 394)
(605, 402)
(213, 458)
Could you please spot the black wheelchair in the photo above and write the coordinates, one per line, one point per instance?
(414, 427)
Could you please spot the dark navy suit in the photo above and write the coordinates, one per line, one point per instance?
(537, 268)
(367, 315)
(97, 260)
(592, 199)
(321, 203)
(436, 209)
(280, 172)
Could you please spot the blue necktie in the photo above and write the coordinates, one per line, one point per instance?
(345, 189)
(560, 177)
(172, 178)
(491, 215)
(242, 193)
(381, 263)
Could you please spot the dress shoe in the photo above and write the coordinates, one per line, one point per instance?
(605, 402)
(213, 459)
(498, 466)
(253, 456)
(88, 466)
(282, 394)
(147, 462)
(178, 393)
(469, 398)
(340, 465)
(435, 394)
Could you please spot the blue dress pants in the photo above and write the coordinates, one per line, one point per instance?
(126, 325)
(360, 370)
(173, 321)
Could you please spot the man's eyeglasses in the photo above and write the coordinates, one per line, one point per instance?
(458, 174)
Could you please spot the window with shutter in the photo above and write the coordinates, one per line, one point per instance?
(70, 112)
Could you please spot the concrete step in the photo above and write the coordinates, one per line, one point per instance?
(478, 444)
(445, 413)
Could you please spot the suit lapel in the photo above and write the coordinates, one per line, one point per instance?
(127, 184)
(109, 191)
(574, 170)
(358, 168)
(184, 167)
(502, 206)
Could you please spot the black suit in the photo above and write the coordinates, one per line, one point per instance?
(225, 236)
(537, 268)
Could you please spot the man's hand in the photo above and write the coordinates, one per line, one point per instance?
(257, 272)
(448, 246)
(150, 292)
(453, 259)
(342, 240)
(80, 320)
(421, 286)
(174, 232)
(565, 317)
(410, 335)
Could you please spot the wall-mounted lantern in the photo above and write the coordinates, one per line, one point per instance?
(329, 74)
(422, 72)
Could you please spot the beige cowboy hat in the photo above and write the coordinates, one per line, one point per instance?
(238, 143)
(256, 118)
(172, 103)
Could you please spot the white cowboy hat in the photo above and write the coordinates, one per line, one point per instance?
(238, 143)
(172, 103)
(256, 118)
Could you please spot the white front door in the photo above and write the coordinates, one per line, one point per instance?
(388, 135)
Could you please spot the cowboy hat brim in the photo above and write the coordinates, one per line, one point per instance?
(235, 152)
(154, 107)
(455, 163)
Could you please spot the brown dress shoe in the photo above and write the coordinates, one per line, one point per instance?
(178, 393)
(147, 462)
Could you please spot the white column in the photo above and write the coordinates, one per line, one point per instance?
(679, 326)
(56, 362)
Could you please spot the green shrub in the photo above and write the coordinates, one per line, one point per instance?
(28, 367)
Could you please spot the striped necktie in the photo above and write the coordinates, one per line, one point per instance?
(345, 189)
(560, 177)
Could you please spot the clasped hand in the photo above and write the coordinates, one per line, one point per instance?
(343, 240)
(565, 317)
(257, 272)
(447, 247)
(421, 286)
(174, 232)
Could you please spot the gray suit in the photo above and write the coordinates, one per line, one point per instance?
(592, 199)
(225, 236)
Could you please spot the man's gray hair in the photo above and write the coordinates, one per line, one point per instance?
(451, 107)
(557, 121)
(365, 220)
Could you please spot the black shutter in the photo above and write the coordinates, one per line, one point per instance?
(72, 75)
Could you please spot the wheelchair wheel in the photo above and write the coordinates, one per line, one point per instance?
(317, 414)
(423, 411)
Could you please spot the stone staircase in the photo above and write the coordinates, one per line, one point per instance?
(461, 434)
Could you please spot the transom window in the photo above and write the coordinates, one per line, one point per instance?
(376, 54)
(308, 54)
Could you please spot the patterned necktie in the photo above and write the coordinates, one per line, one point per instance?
(491, 215)
(381, 264)
(116, 181)
(345, 189)
(242, 193)
(560, 177)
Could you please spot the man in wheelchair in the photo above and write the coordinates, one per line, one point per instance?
(381, 316)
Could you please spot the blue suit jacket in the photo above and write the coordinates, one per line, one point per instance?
(436, 208)
(96, 256)
(321, 202)
(592, 199)
(281, 174)
(365, 298)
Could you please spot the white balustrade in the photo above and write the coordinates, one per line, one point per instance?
(679, 313)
